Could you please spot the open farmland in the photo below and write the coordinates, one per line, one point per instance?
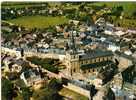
(129, 7)
(38, 21)
(21, 4)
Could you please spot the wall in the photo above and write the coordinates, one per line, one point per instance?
(78, 89)
(123, 63)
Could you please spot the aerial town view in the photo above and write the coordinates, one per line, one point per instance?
(68, 51)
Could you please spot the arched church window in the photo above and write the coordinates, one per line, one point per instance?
(74, 70)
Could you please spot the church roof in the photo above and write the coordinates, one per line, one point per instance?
(95, 65)
(94, 54)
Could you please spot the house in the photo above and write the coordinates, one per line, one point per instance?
(101, 24)
(117, 81)
(96, 81)
(43, 45)
(107, 10)
(59, 28)
(108, 30)
(113, 47)
(119, 33)
(127, 93)
(75, 22)
(91, 28)
(106, 73)
(113, 44)
(12, 64)
(124, 60)
(134, 55)
(15, 68)
(128, 52)
(7, 61)
(31, 76)
(100, 94)
(66, 34)
(83, 29)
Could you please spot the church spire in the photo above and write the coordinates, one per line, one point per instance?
(72, 43)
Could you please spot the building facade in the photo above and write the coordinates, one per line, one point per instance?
(89, 61)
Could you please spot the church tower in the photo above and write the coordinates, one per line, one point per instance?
(72, 57)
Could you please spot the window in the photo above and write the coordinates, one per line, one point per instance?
(81, 62)
(93, 60)
(76, 56)
(90, 61)
(101, 59)
(105, 58)
(74, 70)
(97, 59)
(110, 57)
(83, 71)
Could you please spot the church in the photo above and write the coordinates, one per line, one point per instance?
(89, 61)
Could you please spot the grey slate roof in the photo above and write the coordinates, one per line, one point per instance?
(94, 54)
(94, 65)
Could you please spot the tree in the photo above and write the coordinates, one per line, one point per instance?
(55, 84)
(7, 89)
(104, 5)
(46, 94)
(117, 62)
(26, 93)
(87, 19)
(134, 14)
(120, 8)
(45, 63)
(109, 95)
(92, 89)
(118, 11)
(81, 7)
(129, 74)
(14, 28)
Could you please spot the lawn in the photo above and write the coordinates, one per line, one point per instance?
(39, 21)
(75, 96)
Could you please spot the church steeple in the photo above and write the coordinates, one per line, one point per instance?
(72, 44)
(72, 56)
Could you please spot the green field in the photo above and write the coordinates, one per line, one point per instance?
(39, 21)
(20, 4)
(128, 7)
